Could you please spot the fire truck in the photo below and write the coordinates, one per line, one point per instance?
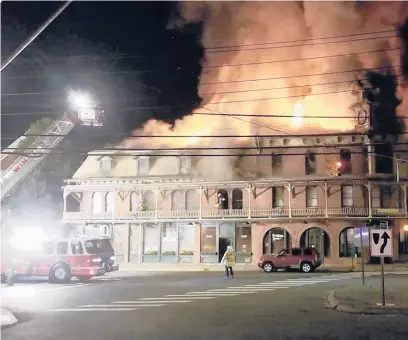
(28, 254)
(19, 159)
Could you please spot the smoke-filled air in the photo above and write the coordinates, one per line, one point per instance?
(269, 58)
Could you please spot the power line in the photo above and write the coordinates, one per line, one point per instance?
(300, 59)
(303, 40)
(237, 49)
(301, 75)
(207, 148)
(189, 136)
(280, 116)
(113, 154)
(248, 80)
(220, 49)
(287, 87)
(213, 50)
(218, 66)
(287, 134)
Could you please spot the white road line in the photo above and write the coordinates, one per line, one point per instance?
(219, 292)
(92, 309)
(125, 305)
(227, 291)
(201, 296)
(288, 283)
(247, 289)
(307, 281)
(168, 298)
(157, 300)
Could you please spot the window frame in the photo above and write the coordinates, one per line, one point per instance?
(311, 197)
(345, 198)
(144, 159)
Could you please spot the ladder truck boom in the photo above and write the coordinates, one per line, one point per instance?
(16, 164)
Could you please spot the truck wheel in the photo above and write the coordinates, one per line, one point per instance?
(268, 267)
(60, 273)
(306, 267)
(84, 278)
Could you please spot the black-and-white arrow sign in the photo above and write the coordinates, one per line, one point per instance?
(380, 244)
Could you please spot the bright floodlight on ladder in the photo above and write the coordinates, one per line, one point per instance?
(86, 110)
(79, 100)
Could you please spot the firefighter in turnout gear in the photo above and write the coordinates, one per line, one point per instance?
(229, 261)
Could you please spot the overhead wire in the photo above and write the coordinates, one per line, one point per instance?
(221, 49)
(300, 59)
(207, 147)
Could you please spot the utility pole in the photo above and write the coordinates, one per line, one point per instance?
(35, 35)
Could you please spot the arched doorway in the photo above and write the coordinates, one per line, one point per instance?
(222, 199)
(275, 240)
(347, 244)
(316, 238)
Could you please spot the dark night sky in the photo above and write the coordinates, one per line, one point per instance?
(161, 67)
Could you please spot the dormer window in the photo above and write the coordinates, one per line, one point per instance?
(143, 166)
(105, 163)
(185, 164)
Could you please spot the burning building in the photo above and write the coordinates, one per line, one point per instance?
(282, 83)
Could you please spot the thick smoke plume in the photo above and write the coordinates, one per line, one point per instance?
(246, 33)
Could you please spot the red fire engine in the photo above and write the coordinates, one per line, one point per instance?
(58, 259)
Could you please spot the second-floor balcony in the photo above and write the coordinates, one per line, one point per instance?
(240, 201)
(234, 214)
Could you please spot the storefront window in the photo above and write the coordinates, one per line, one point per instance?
(186, 239)
(169, 239)
(243, 239)
(275, 240)
(208, 239)
(151, 239)
(347, 247)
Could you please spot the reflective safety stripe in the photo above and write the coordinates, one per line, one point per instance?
(87, 268)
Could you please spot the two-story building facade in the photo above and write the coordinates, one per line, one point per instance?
(160, 207)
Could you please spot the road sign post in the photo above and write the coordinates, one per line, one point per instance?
(381, 246)
(362, 256)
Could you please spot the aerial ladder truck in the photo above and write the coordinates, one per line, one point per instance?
(18, 160)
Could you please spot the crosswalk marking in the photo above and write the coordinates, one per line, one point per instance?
(209, 294)
(195, 297)
(92, 309)
(125, 305)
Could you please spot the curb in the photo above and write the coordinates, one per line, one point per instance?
(7, 318)
(334, 304)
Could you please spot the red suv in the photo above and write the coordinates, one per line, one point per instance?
(305, 259)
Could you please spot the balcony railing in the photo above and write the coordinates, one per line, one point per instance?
(242, 214)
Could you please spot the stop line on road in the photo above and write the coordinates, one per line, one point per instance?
(209, 294)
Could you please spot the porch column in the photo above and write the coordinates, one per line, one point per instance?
(126, 244)
(370, 214)
(157, 203)
(326, 200)
(113, 207)
(201, 203)
(405, 203)
(290, 200)
(65, 194)
(249, 200)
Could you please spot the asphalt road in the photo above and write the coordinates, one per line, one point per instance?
(192, 306)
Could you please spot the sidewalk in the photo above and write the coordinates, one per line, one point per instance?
(360, 299)
(216, 267)
(7, 318)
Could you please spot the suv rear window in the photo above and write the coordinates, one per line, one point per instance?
(98, 246)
